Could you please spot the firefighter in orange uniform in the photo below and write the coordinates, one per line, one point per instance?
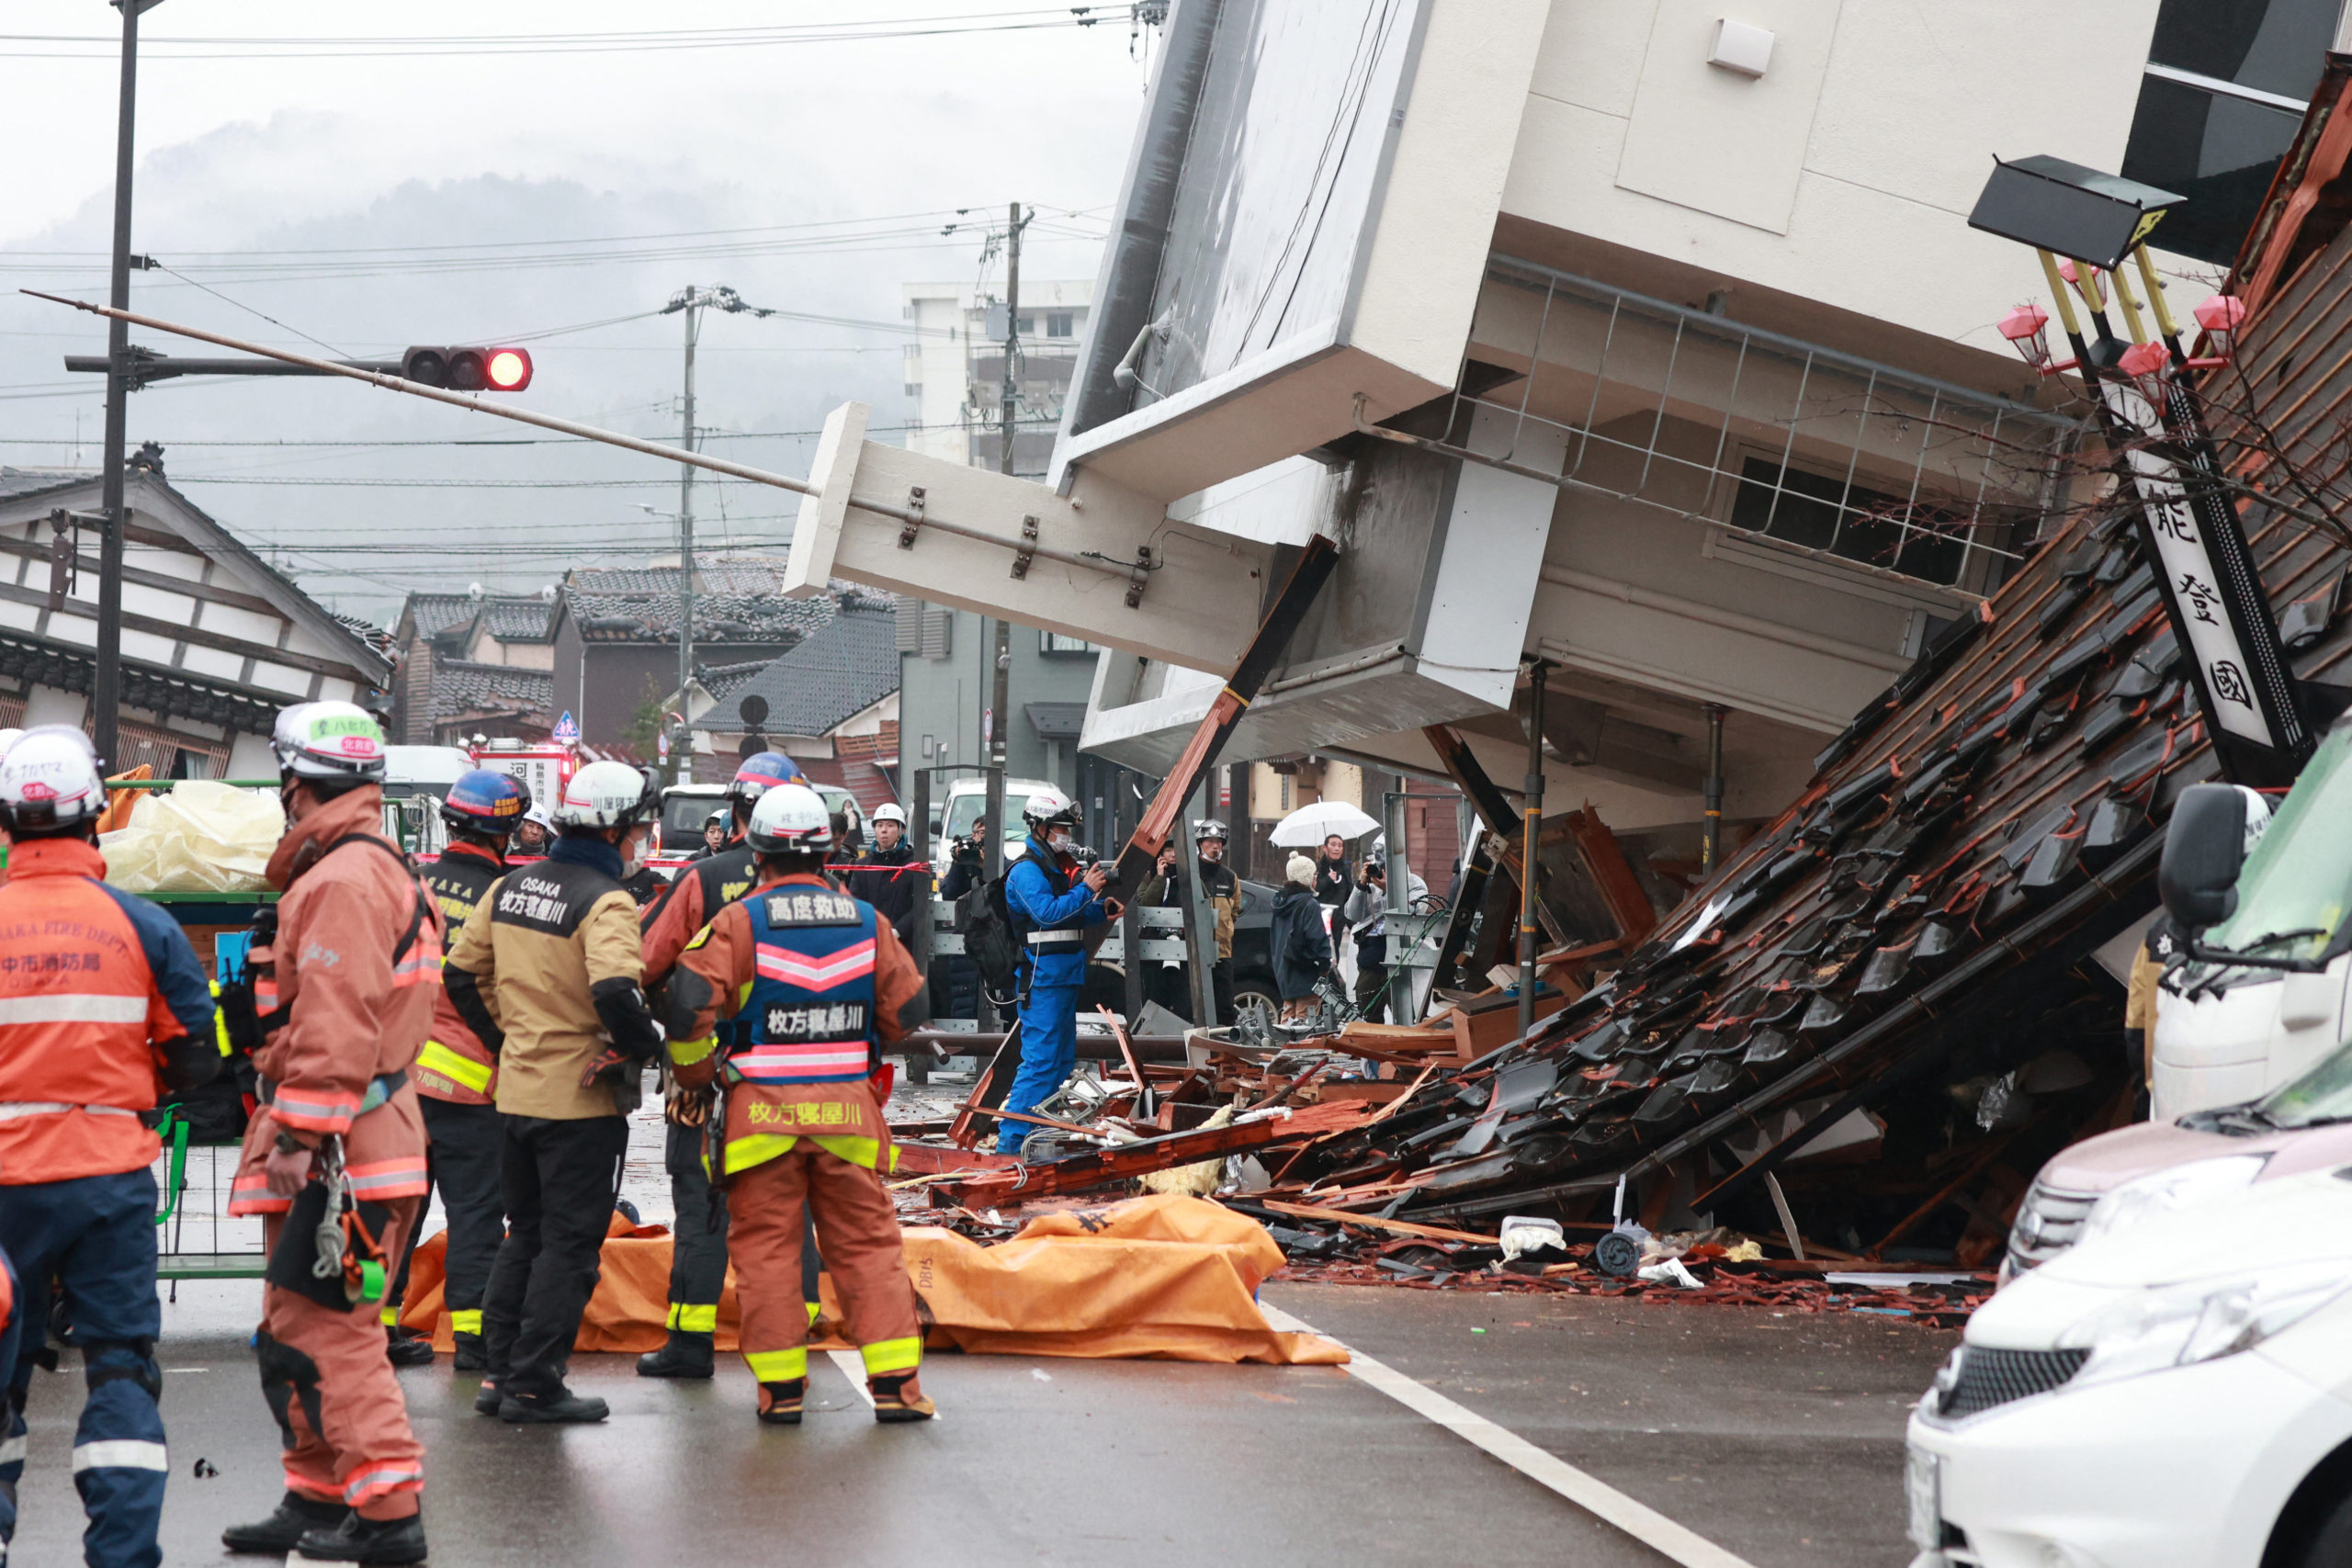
(334, 1157)
(100, 997)
(819, 978)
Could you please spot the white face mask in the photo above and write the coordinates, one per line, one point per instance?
(1212, 850)
(632, 848)
(1060, 840)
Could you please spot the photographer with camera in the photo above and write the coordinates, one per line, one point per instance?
(1367, 916)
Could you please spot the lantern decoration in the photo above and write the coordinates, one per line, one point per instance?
(2149, 364)
(2025, 326)
(2220, 317)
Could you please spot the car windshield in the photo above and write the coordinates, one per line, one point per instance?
(2297, 877)
(2323, 1094)
(964, 811)
(684, 815)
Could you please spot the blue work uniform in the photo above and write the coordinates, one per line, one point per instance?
(1050, 913)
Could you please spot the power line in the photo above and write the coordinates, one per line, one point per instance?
(522, 440)
(166, 49)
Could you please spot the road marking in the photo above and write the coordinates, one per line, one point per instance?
(852, 1367)
(1586, 1491)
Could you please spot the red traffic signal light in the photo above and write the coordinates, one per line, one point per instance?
(468, 369)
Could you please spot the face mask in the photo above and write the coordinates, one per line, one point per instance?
(632, 849)
(1059, 842)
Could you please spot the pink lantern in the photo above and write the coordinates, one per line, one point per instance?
(2220, 317)
(2024, 327)
(2150, 367)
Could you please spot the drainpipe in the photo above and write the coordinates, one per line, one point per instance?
(1712, 849)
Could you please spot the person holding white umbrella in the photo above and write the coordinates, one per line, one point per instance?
(1326, 827)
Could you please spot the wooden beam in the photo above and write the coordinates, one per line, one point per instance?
(150, 578)
(196, 635)
(1373, 1223)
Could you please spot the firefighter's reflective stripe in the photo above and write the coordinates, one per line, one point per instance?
(119, 1453)
(251, 1195)
(778, 1366)
(815, 1061)
(220, 1023)
(686, 1053)
(885, 1357)
(380, 1481)
(465, 1321)
(10, 1111)
(438, 1058)
(72, 1008)
(756, 1148)
(382, 1179)
(311, 1115)
(820, 972)
(693, 1317)
(390, 1314)
(422, 963)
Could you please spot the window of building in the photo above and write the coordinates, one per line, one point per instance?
(2226, 85)
(1823, 513)
(1058, 324)
(1057, 642)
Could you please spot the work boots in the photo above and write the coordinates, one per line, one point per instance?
(683, 1354)
(900, 1398)
(563, 1406)
(407, 1348)
(358, 1540)
(472, 1355)
(297, 1516)
(488, 1397)
(780, 1401)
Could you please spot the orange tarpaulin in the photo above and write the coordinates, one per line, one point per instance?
(1167, 1277)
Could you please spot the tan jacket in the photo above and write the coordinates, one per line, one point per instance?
(542, 938)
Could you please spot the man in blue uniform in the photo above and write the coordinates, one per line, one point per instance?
(1051, 904)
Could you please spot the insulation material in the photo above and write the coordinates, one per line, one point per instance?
(197, 837)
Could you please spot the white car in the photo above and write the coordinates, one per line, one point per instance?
(2174, 1391)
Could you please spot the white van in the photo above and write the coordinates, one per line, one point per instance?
(966, 799)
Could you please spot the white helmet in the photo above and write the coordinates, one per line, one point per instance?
(789, 818)
(1049, 809)
(606, 795)
(48, 781)
(336, 742)
(889, 813)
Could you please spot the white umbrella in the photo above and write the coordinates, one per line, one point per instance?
(1310, 824)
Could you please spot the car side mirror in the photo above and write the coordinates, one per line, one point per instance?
(2204, 852)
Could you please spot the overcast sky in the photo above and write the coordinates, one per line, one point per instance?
(336, 186)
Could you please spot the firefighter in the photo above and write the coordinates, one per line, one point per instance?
(818, 979)
(1051, 905)
(457, 1074)
(100, 997)
(549, 961)
(344, 986)
(698, 1236)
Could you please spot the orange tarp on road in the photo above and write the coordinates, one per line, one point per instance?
(1167, 1277)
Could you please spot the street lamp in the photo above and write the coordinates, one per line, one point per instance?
(2220, 317)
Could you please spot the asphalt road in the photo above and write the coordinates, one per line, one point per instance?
(1777, 1438)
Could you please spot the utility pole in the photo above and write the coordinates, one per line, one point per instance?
(1011, 390)
(105, 686)
(692, 302)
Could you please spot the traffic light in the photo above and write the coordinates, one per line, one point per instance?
(468, 369)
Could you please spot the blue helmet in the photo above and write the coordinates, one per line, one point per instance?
(487, 803)
(761, 773)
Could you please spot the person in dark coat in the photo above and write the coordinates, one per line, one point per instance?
(1300, 942)
(880, 876)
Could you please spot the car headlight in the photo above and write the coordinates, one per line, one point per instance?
(2161, 1191)
(2183, 1325)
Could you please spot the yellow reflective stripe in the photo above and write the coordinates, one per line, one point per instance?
(466, 1321)
(688, 1317)
(885, 1357)
(813, 1314)
(744, 996)
(438, 1058)
(390, 1314)
(686, 1053)
(220, 1021)
(757, 1148)
(778, 1366)
(867, 1152)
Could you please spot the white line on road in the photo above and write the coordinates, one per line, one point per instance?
(852, 1367)
(1586, 1491)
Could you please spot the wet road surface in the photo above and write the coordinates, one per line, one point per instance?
(1777, 1438)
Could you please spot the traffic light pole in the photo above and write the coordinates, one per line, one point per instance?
(106, 685)
(681, 750)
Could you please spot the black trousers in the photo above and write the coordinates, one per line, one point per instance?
(1173, 988)
(697, 1252)
(462, 1153)
(560, 1180)
(1372, 975)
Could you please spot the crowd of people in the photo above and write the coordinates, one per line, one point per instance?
(483, 1026)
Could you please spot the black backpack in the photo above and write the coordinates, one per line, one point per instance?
(989, 942)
